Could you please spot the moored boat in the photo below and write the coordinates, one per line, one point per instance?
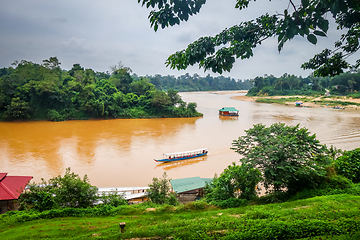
(169, 157)
(228, 111)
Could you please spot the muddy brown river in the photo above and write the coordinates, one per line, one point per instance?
(120, 153)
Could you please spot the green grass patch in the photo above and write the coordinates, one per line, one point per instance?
(328, 217)
(280, 100)
(321, 102)
(336, 103)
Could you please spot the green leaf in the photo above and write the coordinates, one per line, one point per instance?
(319, 33)
(312, 38)
(305, 3)
(323, 25)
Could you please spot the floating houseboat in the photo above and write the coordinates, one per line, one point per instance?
(228, 111)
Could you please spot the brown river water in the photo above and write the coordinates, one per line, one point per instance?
(120, 152)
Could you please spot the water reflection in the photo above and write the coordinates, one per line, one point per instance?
(228, 118)
(54, 146)
(181, 163)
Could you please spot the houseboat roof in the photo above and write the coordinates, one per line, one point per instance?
(121, 189)
(228, 109)
(188, 184)
(127, 192)
(186, 152)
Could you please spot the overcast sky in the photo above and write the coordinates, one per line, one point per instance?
(100, 33)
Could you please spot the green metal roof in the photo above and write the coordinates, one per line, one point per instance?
(188, 184)
(228, 109)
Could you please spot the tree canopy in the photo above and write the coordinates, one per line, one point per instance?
(305, 18)
(45, 91)
(284, 154)
(188, 83)
(343, 84)
(60, 192)
(159, 191)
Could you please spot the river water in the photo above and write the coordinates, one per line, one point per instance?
(120, 152)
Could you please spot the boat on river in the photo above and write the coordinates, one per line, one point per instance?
(170, 157)
(228, 111)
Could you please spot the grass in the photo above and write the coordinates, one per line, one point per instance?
(280, 100)
(336, 103)
(321, 102)
(325, 217)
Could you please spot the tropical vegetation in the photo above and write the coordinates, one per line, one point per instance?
(188, 83)
(343, 84)
(288, 162)
(45, 91)
(159, 191)
(68, 191)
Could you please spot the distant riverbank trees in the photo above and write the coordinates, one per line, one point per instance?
(343, 84)
(188, 83)
(45, 91)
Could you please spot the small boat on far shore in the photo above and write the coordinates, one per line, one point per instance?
(170, 157)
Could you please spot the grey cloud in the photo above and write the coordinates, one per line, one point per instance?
(98, 34)
(59, 20)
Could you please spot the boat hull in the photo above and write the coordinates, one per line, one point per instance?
(180, 158)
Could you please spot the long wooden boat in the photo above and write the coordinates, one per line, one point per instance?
(170, 157)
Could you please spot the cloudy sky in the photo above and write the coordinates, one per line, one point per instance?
(100, 33)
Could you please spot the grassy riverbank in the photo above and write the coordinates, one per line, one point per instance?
(307, 101)
(328, 217)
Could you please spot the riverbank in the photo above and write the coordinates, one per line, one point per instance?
(307, 101)
(325, 217)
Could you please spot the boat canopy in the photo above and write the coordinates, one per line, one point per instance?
(228, 109)
(185, 153)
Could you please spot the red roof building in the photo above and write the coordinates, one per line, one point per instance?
(10, 189)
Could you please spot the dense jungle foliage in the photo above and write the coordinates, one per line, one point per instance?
(343, 84)
(45, 91)
(188, 83)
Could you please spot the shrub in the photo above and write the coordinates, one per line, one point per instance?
(159, 191)
(329, 189)
(200, 204)
(67, 191)
(337, 182)
(38, 197)
(172, 199)
(348, 165)
(113, 199)
(230, 203)
(236, 181)
(72, 191)
(55, 116)
(354, 95)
